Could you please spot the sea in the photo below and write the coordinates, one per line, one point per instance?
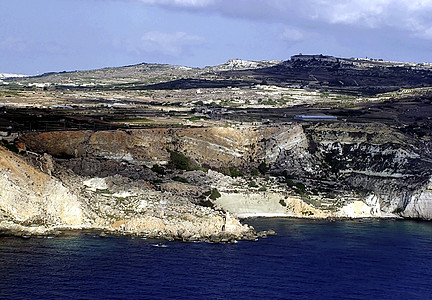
(307, 259)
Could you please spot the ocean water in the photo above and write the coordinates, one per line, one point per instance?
(308, 259)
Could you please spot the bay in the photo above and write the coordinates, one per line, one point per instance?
(307, 259)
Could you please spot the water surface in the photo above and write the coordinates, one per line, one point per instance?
(375, 259)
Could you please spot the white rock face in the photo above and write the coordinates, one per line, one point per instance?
(246, 205)
(50, 203)
(96, 183)
(269, 204)
(420, 206)
(241, 64)
(272, 204)
(34, 202)
(6, 75)
(356, 209)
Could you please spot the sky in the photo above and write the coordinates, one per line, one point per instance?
(64, 35)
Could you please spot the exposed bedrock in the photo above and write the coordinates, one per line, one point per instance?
(385, 167)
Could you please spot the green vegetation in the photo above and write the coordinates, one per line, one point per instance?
(9, 94)
(180, 161)
(253, 184)
(269, 102)
(234, 172)
(282, 202)
(213, 194)
(205, 170)
(206, 203)
(300, 187)
(290, 183)
(180, 179)
(158, 169)
(263, 168)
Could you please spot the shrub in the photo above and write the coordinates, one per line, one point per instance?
(282, 202)
(253, 184)
(180, 161)
(206, 203)
(289, 182)
(301, 187)
(158, 169)
(214, 194)
(263, 168)
(180, 179)
(234, 172)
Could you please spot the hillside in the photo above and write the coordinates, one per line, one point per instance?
(177, 152)
(352, 75)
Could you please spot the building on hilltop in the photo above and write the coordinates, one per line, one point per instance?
(319, 57)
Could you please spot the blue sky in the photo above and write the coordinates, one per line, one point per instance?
(55, 35)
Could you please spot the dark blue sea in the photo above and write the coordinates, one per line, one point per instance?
(308, 259)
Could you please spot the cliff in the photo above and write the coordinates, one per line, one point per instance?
(320, 170)
(40, 197)
(169, 151)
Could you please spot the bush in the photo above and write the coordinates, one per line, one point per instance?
(263, 168)
(282, 202)
(158, 169)
(180, 179)
(213, 194)
(253, 184)
(289, 182)
(301, 187)
(206, 203)
(234, 172)
(180, 161)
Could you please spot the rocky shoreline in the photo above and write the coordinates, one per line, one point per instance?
(193, 184)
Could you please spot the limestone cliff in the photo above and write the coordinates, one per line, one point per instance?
(31, 199)
(337, 169)
(34, 202)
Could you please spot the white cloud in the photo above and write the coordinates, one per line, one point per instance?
(184, 3)
(292, 34)
(168, 43)
(406, 15)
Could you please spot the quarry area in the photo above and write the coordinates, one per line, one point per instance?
(185, 153)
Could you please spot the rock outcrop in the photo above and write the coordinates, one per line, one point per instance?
(35, 202)
(338, 169)
(32, 200)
